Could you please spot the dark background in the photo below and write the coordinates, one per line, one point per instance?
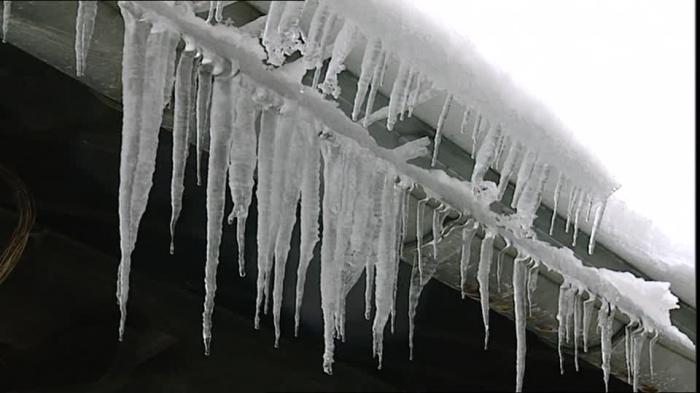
(58, 313)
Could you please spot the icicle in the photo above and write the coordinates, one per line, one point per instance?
(396, 93)
(241, 167)
(372, 56)
(6, 10)
(371, 238)
(596, 222)
(406, 92)
(508, 166)
(501, 147)
(589, 206)
(499, 265)
(219, 13)
(475, 134)
(373, 90)
(204, 80)
(325, 41)
(526, 168)
(532, 276)
(344, 42)
(577, 325)
(652, 342)
(628, 363)
(289, 26)
(437, 229)
(465, 120)
(224, 92)
(181, 124)
(84, 26)
(587, 313)
(385, 267)
(415, 289)
(606, 316)
(440, 126)
(312, 51)
(144, 52)
(562, 318)
(415, 93)
(468, 233)
(419, 235)
(268, 120)
(210, 14)
(486, 155)
(636, 348)
(577, 214)
(519, 283)
(271, 38)
(310, 208)
(557, 191)
(573, 197)
(483, 277)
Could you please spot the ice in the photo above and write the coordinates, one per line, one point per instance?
(416, 287)
(84, 26)
(576, 297)
(577, 214)
(396, 93)
(203, 102)
(637, 341)
(406, 92)
(372, 56)
(587, 314)
(225, 91)
(374, 86)
(483, 277)
(312, 51)
(486, 155)
(289, 193)
(530, 197)
(598, 215)
(241, 167)
(563, 312)
(532, 275)
(271, 38)
(413, 95)
(181, 124)
(573, 197)
(440, 126)
(419, 235)
(628, 363)
(219, 12)
(344, 42)
(652, 342)
(372, 239)
(519, 290)
(266, 139)
(437, 230)
(212, 9)
(468, 233)
(606, 316)
(557, 191)
(508, 166)
(310, 208)
(6, 12)
(523, 176)
(143, 77)
(289, 26)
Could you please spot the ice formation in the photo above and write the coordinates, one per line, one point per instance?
(84, 26)
(6, 14)
(227, 85)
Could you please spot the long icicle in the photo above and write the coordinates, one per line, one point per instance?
(181, 124)
(224, 92)
(519, 288)
(396, 93)
(468, 233)
(84, 26)
(6, 12)
(557, 191)
(606, 316)
(419, 235)
(204, 80)
(483, 277)
(371, 57)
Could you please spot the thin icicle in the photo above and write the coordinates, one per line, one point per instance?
(224, 93)
(415, 289)
(289, 26)
(557, 191)
(344, 42)
(577, 214)
(606, 316)
(652, 342)
(204, 87)
(507, 170)
(468, 233)
(374, 86)
(483, 277)
(636, 347)
(372, 56)
(440, 127)
(486, 155)
(600, 209)
(532, 275)
(325, 42)
(6, 11)
(84, 26)
(577, 325)
(375, 221)
(587, 314)
(413, 96)
(523, 176)
(573, 198)
(519, 289)
(241, 167)
(219, 13)
(628, 363)
(437, 230)
(475, 134)
(419, 235)
(466, 116)
(312, 50)
(181, 132)
(403, 104)
(562, 317)
(212, 9)
(271, 38)
(310, 209)
(396, 93)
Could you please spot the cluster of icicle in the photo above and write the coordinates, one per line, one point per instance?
(253, 130)
(331, 35)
